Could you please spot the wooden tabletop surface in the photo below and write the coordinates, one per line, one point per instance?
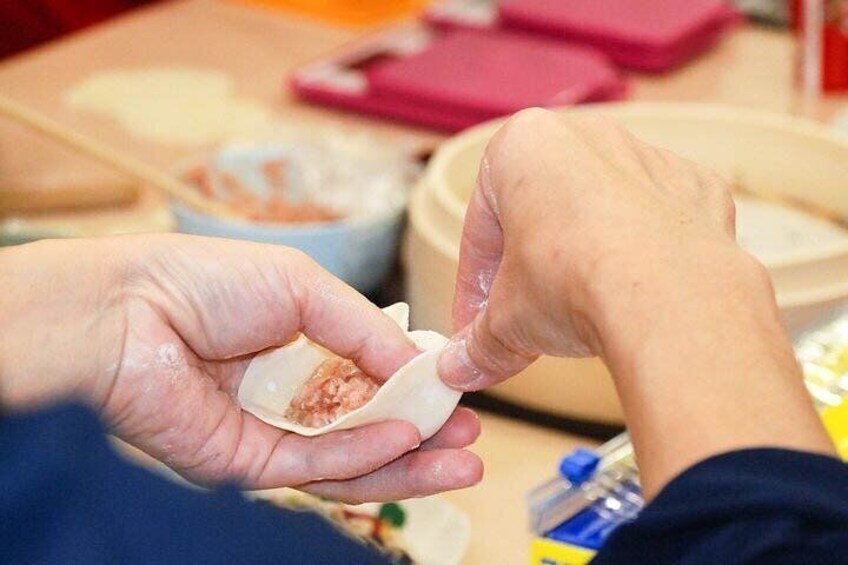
(259, 47)
(752, 68)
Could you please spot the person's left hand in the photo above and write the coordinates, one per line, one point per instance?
(157, 331)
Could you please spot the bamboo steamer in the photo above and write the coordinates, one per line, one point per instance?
(790, 159)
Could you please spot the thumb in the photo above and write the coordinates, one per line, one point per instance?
(480, 355)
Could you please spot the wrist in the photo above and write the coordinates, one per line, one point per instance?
(61, 320)
(700, 360)
(663, 296)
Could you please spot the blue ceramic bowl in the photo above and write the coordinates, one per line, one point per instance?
(359, 249)
(360, 252)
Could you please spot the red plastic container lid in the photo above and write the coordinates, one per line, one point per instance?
(490, 74)
(640, 33)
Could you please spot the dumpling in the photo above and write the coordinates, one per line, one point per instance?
(335, 388)
(305, 389)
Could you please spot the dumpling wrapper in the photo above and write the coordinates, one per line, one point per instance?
(415, 393)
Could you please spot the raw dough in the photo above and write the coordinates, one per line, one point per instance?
(180, 106)
(415, 392)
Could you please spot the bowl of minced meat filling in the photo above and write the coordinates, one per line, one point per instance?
(340, 201)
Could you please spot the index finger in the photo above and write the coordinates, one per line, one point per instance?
(336, 316)
(231, 299)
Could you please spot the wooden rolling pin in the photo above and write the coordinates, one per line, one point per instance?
(104, 154)
(20, 196)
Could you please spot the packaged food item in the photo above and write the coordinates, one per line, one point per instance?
(573, 514)
(823, 354)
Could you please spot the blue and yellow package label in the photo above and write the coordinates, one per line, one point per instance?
(545, 551)
(835, 419)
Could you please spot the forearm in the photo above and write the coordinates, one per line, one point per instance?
(58, 318)
(703, 364)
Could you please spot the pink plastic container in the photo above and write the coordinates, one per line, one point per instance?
(647, 35)
(462, 78)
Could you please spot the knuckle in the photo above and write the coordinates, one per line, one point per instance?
(718, 195)
(522, 124)
(519, 140)
(719, 189)
(310, 467)
(498, 325)
(672, 159)
(728, 205)
(353, 498)
(531, 117)
(498, 354)
(296, 257)
(728, 210)
(597, 121)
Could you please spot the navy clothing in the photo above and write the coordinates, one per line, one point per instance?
(67, 498)
(768, 506)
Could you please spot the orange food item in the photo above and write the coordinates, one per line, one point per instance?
(349, 12)
(276, 208)
(198, 177)
(275, 174)
(335, 388)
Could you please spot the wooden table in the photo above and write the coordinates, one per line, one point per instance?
(517, 458)
(750, 68)
(258, 47)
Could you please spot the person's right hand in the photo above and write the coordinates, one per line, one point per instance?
(569, 212)
(582, 240)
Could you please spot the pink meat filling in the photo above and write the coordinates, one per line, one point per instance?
(335, 388)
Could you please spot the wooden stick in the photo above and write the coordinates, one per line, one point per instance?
(102, 153)
(70, 194)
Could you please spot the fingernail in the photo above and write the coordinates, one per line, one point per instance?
(456, 367)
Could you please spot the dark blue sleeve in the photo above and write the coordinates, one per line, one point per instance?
(768, 506)
(66, 497)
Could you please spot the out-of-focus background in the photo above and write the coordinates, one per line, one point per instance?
(353, 130)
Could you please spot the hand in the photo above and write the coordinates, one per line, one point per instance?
(156, 332)
(568, 215)
(582, 240)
